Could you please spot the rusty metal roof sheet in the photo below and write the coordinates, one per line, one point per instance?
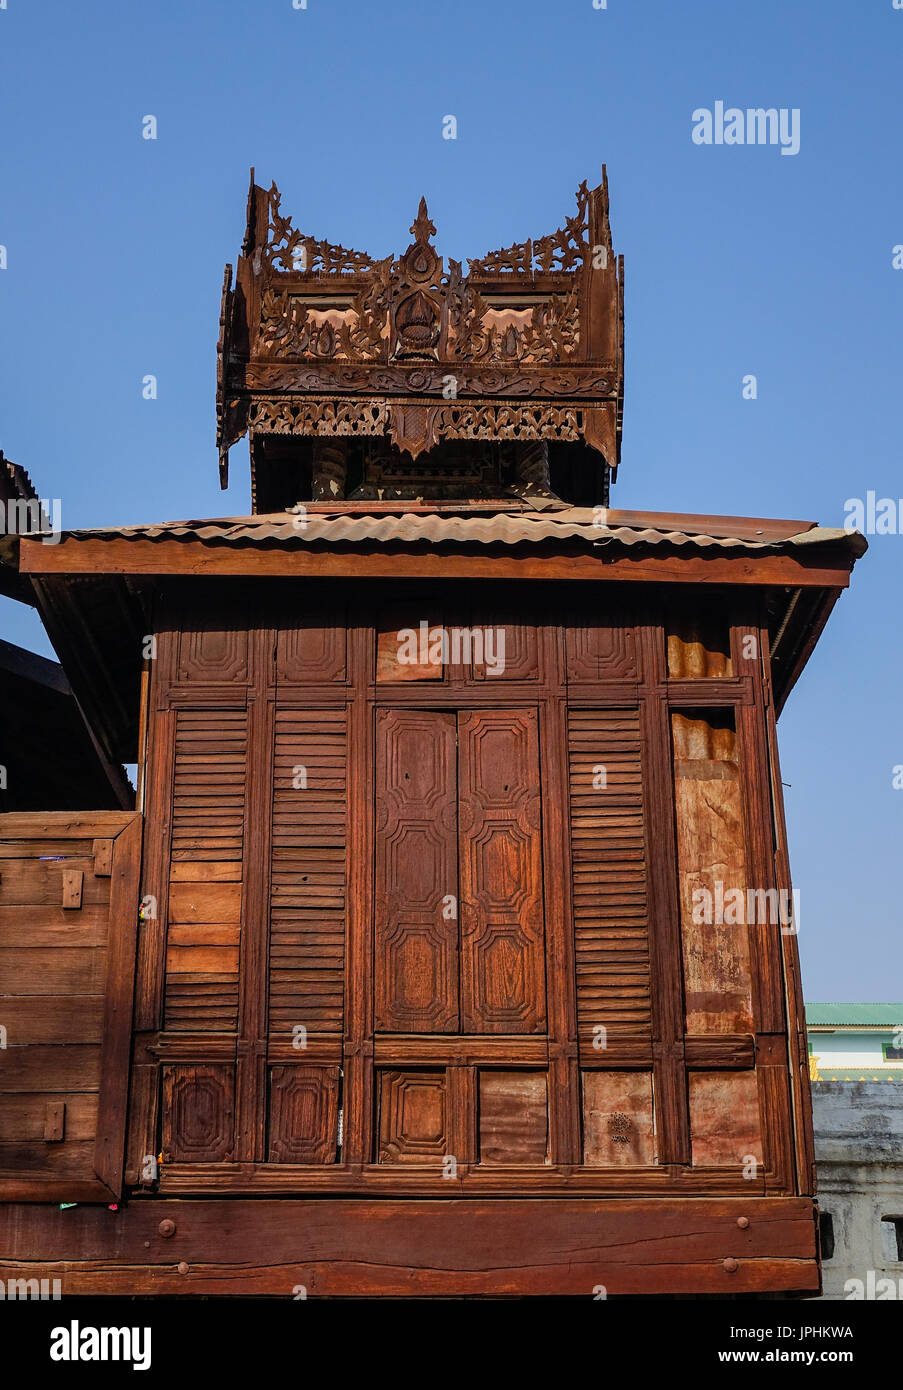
(414, 526)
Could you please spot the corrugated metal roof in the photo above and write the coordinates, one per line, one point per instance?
(845, 1015)
(412, 526)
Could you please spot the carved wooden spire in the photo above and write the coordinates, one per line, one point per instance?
(407, 357)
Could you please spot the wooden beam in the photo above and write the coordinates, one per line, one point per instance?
(420, 1249)
(807, 569)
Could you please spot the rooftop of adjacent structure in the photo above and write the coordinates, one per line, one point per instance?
(854, 1015)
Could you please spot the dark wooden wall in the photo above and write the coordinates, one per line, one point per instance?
(456, 908)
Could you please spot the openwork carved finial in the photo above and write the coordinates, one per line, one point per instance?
(319, 340)
(422, 228)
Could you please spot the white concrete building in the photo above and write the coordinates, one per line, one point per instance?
(855, 1042)
(859, 1161)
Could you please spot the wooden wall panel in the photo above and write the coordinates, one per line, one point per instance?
(304, 1113)
(213, 656)
(502, 928)
(712, 864)
(416, 940)
(443, 972)
(395, 646)
(511, 647)
(67, 968)
(198, 1113)
(413, 1125)
(618, 1126)
(514, 1117)
(724, 1119)
(608, 863)
(601, 653)
(307, 883)
(310, 652)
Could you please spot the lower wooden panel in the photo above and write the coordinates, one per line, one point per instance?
(418, 1248)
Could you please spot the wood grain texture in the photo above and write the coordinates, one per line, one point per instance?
(198, 1113)
(308, 876)
(416, 971)
(712, 862)
(413, 1117)
(402, 1248)
(303, 1114)
(618, 1125)
(164, 556)
(724, 1118)
(607, 951)
(609, 869)
(499, 828)
(514, 1117)
(66, 1004)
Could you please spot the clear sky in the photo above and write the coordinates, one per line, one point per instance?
(739, 260)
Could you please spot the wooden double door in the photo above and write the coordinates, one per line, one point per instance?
(459, 936)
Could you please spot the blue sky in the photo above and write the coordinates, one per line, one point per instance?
(739, 260)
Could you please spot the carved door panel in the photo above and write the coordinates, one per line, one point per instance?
(459, 933)
(416, 873)
(502, 966)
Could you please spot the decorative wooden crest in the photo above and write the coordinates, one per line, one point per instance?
(321, 342)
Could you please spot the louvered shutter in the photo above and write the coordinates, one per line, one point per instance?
(204, 915)
(608, 865)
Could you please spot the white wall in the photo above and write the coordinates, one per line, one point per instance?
(859, 1161)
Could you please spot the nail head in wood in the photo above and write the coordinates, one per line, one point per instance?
(54, 1121)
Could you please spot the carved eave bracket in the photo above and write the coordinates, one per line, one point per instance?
(317, 339)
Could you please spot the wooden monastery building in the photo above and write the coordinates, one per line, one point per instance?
(445, 949)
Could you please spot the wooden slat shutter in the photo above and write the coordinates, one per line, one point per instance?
(307, 886)
(609, 874)
(203, 931)
(68, 923)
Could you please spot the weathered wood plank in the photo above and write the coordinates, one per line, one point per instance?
(387, 1248)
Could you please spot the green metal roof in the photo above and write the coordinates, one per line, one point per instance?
(855, 1015)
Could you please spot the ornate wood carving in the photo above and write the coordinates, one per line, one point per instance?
(502, 936)
(198, 1113)
(416, 873)
(601, 652)
(213, 656)
(315, 338)
(412, 1117)
(310, 652)
(304, 1114)
(561, 250)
